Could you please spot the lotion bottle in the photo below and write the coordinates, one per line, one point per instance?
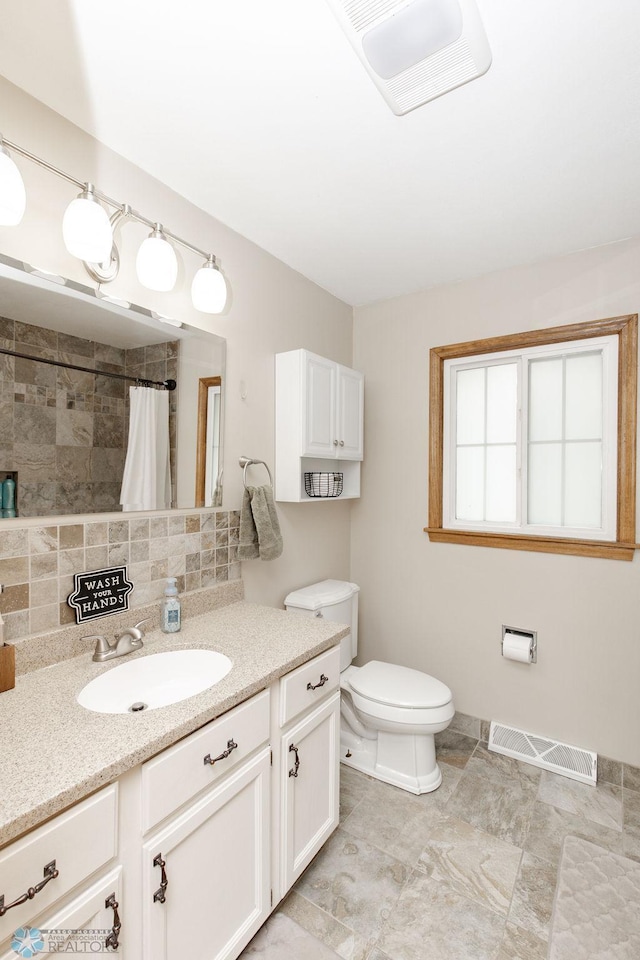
(171, 607)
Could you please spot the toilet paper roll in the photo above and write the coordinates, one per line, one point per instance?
(516, 647)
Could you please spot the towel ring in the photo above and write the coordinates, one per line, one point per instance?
(248, 462)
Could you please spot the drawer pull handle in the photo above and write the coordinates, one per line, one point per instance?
(50, 873)
(112, 940)
(231, 746)
(314, 686)
(296, 766)
(160, 894)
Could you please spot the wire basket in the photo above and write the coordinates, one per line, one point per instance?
(323, 484)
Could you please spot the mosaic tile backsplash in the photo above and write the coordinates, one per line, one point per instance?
(37, 563)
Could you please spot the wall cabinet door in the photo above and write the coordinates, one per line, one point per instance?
(334, 410)
(350, 414)
(319, 436)
(310, 780)
(217, 871)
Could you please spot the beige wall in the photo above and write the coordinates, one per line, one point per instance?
(439, 607)
(272, 309)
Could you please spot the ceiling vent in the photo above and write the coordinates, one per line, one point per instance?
(415, 50)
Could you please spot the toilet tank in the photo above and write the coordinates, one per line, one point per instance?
(335, 600)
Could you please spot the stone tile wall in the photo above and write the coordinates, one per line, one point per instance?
(37, 563)
(64, 431)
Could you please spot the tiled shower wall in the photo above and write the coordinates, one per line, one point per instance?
(64, 431)
(37, 563)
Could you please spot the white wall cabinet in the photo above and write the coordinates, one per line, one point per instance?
(188, 854)
(319, 422)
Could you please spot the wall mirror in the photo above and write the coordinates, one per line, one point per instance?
(64, 428)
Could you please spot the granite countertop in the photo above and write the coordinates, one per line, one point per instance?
(54, 752)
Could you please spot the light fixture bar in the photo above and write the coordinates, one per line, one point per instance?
(122, 210)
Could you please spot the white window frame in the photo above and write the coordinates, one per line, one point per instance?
(608, 347)
(625, 328)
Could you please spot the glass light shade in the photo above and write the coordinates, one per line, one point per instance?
(157, 264)
(209, 289)
(13, 198)
(412, 34)
(86, 230)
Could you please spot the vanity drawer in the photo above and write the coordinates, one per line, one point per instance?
(80, 841)
(304, 687)
(180, 772)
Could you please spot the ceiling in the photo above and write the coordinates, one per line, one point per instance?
(261, 114)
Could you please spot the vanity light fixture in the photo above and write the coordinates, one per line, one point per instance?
(209, 290)
(156, 263)
(88, 232)
(13, 196)
(86, 229)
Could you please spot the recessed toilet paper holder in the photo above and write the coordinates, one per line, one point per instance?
(531, 635)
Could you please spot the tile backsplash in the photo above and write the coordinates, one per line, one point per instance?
(37, 563)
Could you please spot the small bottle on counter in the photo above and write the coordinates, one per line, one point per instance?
(170, 619)
(9, 495)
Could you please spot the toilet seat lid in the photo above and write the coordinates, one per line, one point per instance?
(399, 686)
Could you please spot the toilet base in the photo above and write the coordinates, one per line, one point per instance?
(403, 760)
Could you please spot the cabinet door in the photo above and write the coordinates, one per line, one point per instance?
(319, 434)
(82, 926)
(310, 780)
(216, 866)
(350, 414)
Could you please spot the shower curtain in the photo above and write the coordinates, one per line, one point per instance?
(146, 482)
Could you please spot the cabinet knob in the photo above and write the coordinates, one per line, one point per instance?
(335, 443)
(342, 443)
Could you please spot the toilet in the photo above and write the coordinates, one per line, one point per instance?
(389, 713)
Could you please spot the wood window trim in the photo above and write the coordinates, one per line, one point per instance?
(623, 547)
(201, 435)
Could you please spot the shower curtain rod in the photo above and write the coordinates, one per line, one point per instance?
(142, 381)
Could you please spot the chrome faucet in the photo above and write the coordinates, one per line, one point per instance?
(125, 642)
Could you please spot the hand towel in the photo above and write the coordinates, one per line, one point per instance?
(260, 534)
(248, 544)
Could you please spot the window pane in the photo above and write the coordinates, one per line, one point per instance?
(470, 483)
(470, 406)
(502, 403)
(545, 399)
(583, 485)
(501, 484)
(583, 411)
(545, 483)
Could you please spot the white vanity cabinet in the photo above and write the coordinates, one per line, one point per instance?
(206, 874)
(308, 765)
(187, 854)
(319, 422)
(59, 862)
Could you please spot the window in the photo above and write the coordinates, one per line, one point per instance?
(533, 440)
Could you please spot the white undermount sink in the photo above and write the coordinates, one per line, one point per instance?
(154, 681)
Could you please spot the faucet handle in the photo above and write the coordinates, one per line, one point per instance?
(139, 624)
(102, 645)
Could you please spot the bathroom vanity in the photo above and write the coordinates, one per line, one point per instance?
(186, 851)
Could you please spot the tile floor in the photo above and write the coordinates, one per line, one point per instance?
(465, 873)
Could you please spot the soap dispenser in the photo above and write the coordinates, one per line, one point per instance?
(170, 620)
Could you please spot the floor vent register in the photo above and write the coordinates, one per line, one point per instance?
(549, 754)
